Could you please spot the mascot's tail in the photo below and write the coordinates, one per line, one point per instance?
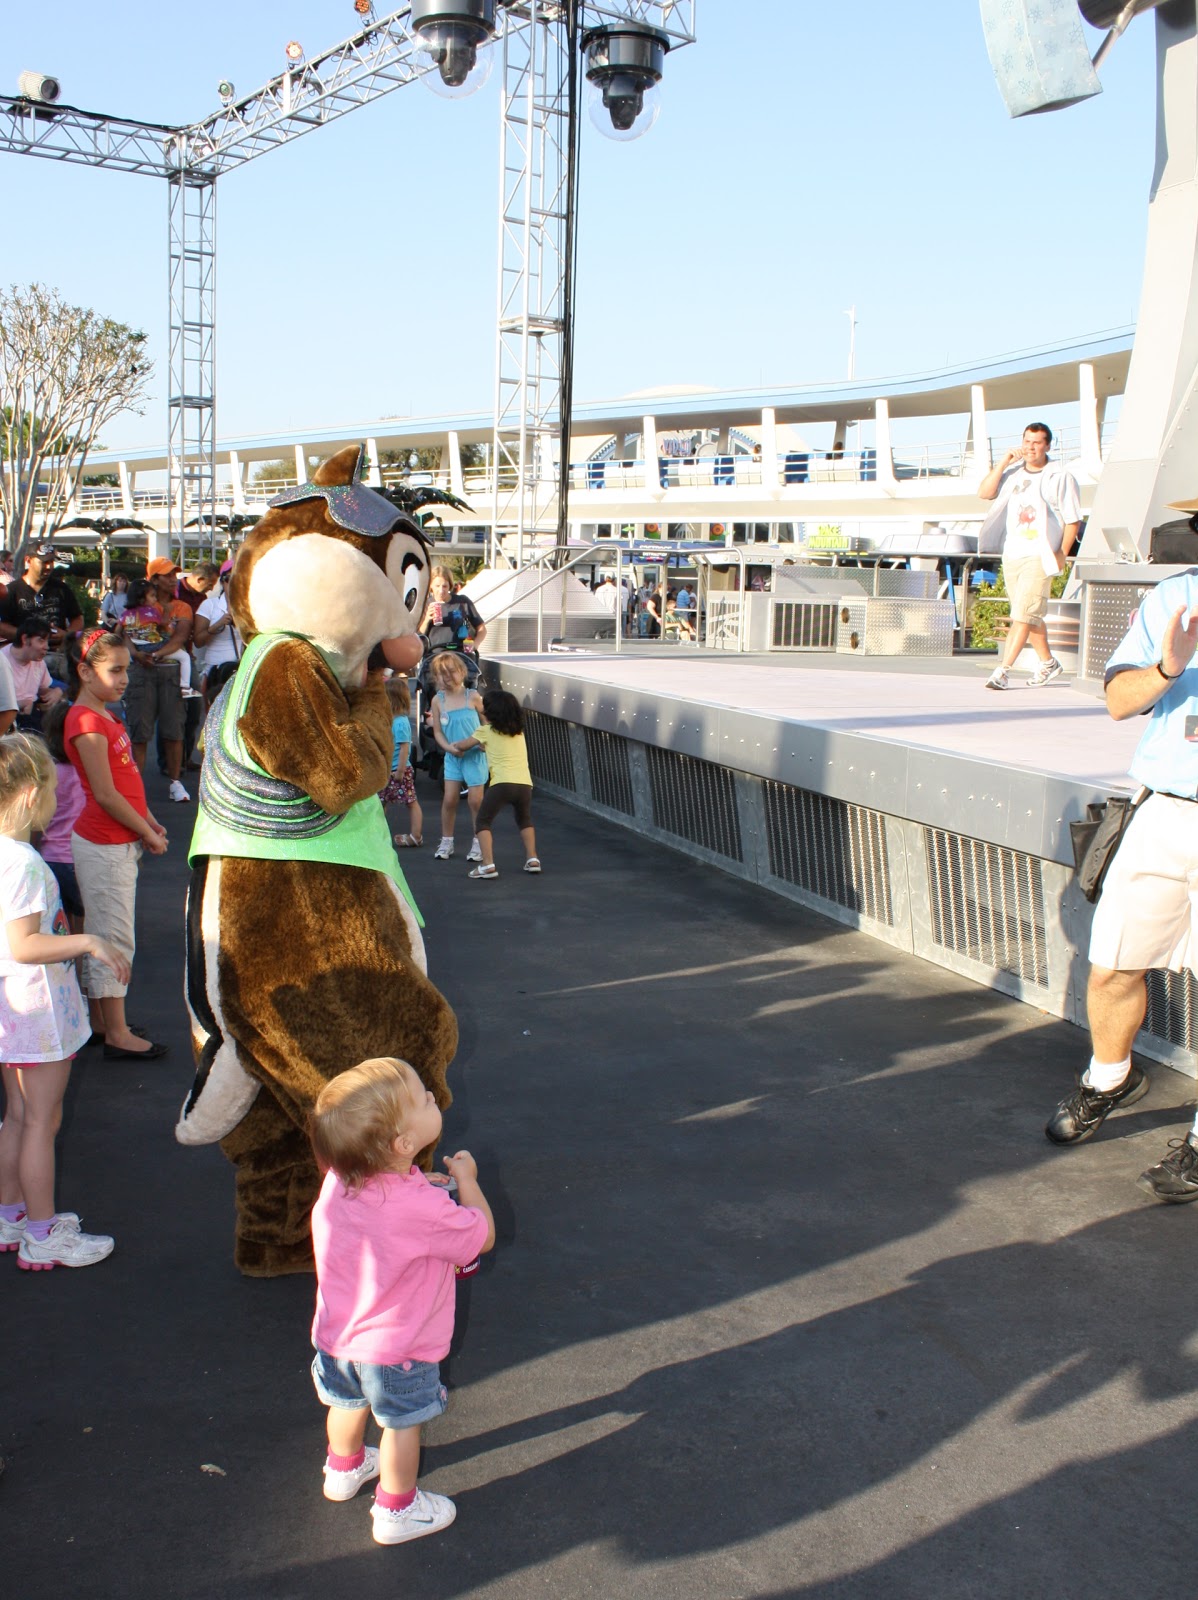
(223, 1091)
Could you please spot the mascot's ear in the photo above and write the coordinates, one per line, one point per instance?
(341, 468)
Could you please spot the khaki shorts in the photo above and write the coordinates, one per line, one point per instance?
(1028, 587)
(107, 876)
(1146, 914)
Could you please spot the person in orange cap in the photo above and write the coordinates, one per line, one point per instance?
(155, 694)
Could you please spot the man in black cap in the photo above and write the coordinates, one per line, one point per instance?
(40, 594)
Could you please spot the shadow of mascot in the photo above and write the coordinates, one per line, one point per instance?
(304, 951)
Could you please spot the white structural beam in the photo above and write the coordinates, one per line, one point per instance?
(1154, 456)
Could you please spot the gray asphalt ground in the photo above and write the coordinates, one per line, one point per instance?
(791, 1295)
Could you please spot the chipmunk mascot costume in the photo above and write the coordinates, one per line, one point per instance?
(304, 947)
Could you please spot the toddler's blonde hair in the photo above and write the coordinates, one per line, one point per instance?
(357, 1117)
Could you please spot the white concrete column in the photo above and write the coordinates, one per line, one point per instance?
(157, 542)
(453, 456)
(126, 482)
(374, 476)
(882, 445)
(770, 476)
(237, 478)
(649, 451)
(979, 430)
(1087, 400)
(301, 464)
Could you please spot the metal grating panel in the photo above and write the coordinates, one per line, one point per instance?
(549, 754)
(1173, 1008)
(1109, 610)
(804, 625)
(695, 800)
(611, 776)
(830, 848)
(988, 904)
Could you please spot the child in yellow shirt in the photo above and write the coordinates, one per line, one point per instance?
(501, 735)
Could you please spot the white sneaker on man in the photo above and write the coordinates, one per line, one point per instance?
(997, 679)
(476, 852)
(177, 791)
(1045, 673)
(66, 1245)
(428, 1513)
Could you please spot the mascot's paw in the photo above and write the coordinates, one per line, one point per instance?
(255, 1258)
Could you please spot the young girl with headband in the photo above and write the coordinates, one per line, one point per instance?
(43, 1020)
(111, 831)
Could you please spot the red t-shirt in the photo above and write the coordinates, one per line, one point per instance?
(94, 824)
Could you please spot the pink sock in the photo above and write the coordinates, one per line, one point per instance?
(12, 1213)
(394, 1502)
(38, 1230)
(346, 1463)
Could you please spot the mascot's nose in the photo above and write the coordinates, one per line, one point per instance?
(403, 653)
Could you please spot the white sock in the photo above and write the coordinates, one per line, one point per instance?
(1106, 1075)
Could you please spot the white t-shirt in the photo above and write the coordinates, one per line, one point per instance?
(223, 646)
(1039, 506)
(42, 1015)
(8, 690)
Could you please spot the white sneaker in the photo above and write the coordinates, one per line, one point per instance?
(1045, 673)
(475, 852)
(428, 1513)
(997, 679)
(11, 1234)
(177, 791)
(64, 1246)
(345, 1485)
(444, 850)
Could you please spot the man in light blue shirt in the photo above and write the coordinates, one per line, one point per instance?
(1147, 914)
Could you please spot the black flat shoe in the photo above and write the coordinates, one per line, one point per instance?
(111, 1053)
(98, 1038)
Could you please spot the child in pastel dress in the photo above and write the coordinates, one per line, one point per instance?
(43, 1020)
(455, 716)
(402, 783)
(386, 1240)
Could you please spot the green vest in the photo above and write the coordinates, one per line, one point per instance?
(243, 811)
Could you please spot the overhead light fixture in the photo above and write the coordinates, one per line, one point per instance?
(294, 52)
(454, 36)
(365, 9)
(38, 86)
(226, 91)
(624, 64)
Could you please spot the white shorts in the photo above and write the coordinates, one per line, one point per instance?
(1146, 914)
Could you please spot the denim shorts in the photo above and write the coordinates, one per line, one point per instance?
(405, 1395)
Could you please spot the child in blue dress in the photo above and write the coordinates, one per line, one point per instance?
(455, 716)
(401, 785)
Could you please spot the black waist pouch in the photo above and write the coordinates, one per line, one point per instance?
(1096, 839)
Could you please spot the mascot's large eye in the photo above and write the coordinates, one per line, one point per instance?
(412, 569)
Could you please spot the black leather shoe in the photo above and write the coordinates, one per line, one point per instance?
(1175, 1179)
(111, 1053)
(1085, 1111)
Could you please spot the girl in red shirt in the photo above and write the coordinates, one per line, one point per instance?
(110, 832)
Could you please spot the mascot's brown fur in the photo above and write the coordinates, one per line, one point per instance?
(298, 969)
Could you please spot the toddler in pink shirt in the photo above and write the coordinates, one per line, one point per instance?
(386, 1240)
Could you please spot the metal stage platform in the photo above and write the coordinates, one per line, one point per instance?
(907, 801)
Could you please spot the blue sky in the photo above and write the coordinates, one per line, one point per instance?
(806, 158)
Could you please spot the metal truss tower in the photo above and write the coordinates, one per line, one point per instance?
(191, 392)
(535, 218)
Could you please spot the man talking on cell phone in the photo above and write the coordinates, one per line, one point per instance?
(1035, 523)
